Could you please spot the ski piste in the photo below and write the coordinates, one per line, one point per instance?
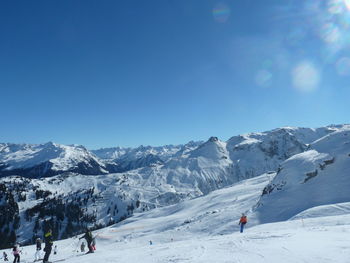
(64, 259)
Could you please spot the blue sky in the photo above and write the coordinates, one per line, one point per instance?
(107, 73)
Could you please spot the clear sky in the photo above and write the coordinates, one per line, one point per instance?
(108, 72)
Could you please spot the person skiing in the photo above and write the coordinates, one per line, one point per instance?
(38, 249)
(242, 222)
(82, 247)
(4, 255)
(16, 252)
(55, 250)
(48, 245)
(93, 243)
(88, 238)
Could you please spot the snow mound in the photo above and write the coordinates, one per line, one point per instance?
(324, 210)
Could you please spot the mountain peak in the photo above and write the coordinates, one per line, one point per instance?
(213, 139)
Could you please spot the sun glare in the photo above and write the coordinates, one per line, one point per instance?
(305, 77)
(347, 4)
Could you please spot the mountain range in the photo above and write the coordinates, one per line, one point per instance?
(70, 187)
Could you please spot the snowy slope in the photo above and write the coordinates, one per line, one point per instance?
(47, 159)
(191, 172)
(205, 230)
(256, 153)
(319, 176)
(216, 164)
(71, 202)
(309, 135)
(320, 211)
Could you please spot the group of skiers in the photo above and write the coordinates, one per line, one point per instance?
(48, 239)
(90, 239)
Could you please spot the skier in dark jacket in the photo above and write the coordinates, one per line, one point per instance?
(4, 255)
(82, 247)
(88, 237)
(38, 249)
(48, 245)
(16, 252)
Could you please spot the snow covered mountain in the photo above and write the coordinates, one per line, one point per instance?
(163, 152)
(47, 159)
(136, 180)
(143, 156)
(318, 176)
(216, 164)
(67, 202)
(205, 230)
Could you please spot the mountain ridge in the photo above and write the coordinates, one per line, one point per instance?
(70, 201)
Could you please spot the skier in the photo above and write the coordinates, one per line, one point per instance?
(48, 245)
(4, 255)
(55, 250)
(93, 243)
(82, 247)
(242, 222)
(16, 252)
(88, 237)
(38, 249)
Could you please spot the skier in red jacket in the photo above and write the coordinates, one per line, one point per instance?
(242, 222)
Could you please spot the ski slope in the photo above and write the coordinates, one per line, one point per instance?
(205, 229)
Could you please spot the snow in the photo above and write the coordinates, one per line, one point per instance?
(125, 155)
(58, 157)
(313, 178)
(298, 212)
(320, 211)
(205, 230)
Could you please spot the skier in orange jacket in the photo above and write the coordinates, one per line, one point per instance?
(242, 222)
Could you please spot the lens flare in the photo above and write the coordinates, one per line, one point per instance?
(330, 33)
(343, 66)
(221, 13)
(305, 77)
(347, 4)
(335, 6)
(263, 78)
(344, 21)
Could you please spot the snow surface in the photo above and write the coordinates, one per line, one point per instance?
(123, 155)
(309, 193)
(205, 229)
(320, 176)
(62, 157)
